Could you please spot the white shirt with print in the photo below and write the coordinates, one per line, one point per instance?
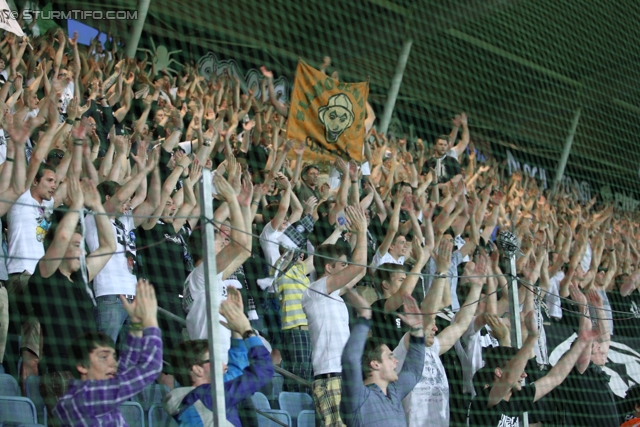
(428, 403)
(117, 277)
(195, 305)
(28, 223)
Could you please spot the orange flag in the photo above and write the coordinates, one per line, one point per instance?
(329, 115)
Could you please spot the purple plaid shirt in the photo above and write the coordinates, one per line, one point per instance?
(95, 403)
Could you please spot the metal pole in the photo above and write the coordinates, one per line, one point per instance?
(213, 298)
(395, 86)
(136, 31)
(514, 301)
(562, 164)
(508, 242)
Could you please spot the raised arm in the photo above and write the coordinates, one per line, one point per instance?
(464, 140)
(512, 372)
(409, 283)
(106, 240)
(283, 207)
(238, 236)
(354, 391)
(149, 205)
(358, 222)
(451, 334)
(560, 371)
(393, 225)
(273, 98)
(604, 334)
(343, 191)
(14, 171)
(433, 300)
(64, 231)
(190, 200)
(580, 300)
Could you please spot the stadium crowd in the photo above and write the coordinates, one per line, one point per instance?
(100, 163)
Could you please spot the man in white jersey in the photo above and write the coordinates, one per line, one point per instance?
(428, 403)
(230, 252)
(328, 316)
(12, 183)
(118, 277)
(28, 222)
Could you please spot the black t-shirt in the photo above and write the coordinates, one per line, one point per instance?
(377, 230)
(504, 413)
(322, 229)
(257, 157)
(161, 257)
(104, 119)
(386, 328)
(626, 317)
(65, 311)
(587, 400)
(450, 165)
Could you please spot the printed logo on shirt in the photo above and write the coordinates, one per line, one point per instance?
(635, 310)
(127, 240)
(175, 239)
(432, 376)
(506, 421)
(44, 223)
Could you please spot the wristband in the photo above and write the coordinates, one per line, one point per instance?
(135, 327)
(207, 143)
(354, 182)
(181, 167)
(9, 159)
(248, 334)
(11, 81)
(7, 137)
(255, 203)
(69, 122)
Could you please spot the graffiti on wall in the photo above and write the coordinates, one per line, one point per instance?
(210, 66)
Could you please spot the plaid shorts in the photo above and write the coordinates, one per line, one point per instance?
(327, 393)
(296, 358)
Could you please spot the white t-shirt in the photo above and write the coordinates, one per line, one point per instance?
(428, 403)
(378, 260)
(269, 243)
(28, 223)
(552, 297)
(328, 319)
(195, 305)
(117, 277)
(469, 351)
(270, 246)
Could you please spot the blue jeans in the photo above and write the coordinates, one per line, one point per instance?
(110, 315)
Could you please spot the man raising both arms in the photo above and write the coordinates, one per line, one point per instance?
(328, 316)
(377, 401)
